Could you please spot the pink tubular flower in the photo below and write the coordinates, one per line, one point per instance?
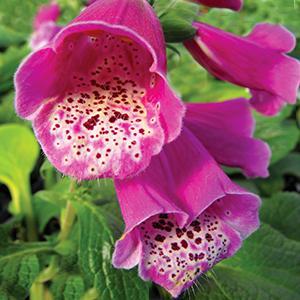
(97, 94)
(183, 214)
(232, 4)
(45, 25)
(256, 61)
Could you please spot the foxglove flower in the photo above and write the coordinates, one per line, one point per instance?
(45, 27)
(232, 4)
(183, 214)
(257, 61)
(97, 94)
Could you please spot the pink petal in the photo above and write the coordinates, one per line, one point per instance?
(275, 37)
(146, 27)
(103, 107)
(250, 62)
(46, 13)
(171, 249)
(232, 4)
(225, 129)
(44, 35)
(35, 81)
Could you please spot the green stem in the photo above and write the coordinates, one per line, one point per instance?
(37, 290)
(27, 210)
(68, 217)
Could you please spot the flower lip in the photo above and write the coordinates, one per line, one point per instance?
(81, 27)
(104, 122)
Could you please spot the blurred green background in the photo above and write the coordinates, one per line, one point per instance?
(267, 266)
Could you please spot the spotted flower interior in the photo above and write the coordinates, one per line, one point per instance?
(174, 257)
(105, 122)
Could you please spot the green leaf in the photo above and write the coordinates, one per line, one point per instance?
(176, 18)
(67, 287)
(18, 151)
(282, 135)
(9, 61)
(7, 229)
(282, 212)
(16, 9)
(95, 251)
(47, 205)
(7, 110)
(9, 36)
(289, 165)
(49, 174)
(19, 266)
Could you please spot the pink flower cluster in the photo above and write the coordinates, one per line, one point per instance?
(101, 106)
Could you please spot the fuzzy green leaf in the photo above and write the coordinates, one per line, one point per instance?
(18, 151)
(19, 266)
(95, 251)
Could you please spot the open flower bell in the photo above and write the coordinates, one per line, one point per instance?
(97, 94)
(183, 214)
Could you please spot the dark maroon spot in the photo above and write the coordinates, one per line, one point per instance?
(112, 119)
(160, 238)
(208, 237)
(197, 228)
(179, 232)
(163, 216)
(168, 229)
(200, 256)
(184, 244)
(195, 223)
(190, 234)
(91, 122)
(198, 241)
(156, 225)
(175, 246)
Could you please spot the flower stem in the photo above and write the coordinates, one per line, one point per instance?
(37, 290)
(27, 210)
(68, 217)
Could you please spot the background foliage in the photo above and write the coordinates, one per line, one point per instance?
(43, 264)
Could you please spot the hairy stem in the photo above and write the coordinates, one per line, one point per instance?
(27, 210)
(37, 290)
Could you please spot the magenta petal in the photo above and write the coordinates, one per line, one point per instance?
(44, 35)
(171, 249)
(103, 107)
(129, 250)
(146, 26)
(226, 131)
(232, 4)
(174, 181)
(46, 13)
(35, 82)
(250, 62)
(276, 37)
